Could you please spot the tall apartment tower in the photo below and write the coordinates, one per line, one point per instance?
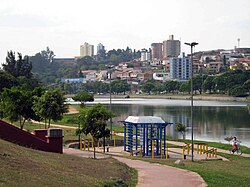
(171, 47)
(156, 51)
(86, 50)
(180, 68)
(145, 55)
(100, 47)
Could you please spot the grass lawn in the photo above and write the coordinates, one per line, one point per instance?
(216, 145)
(26, 167)
(68, 120)
(235, 172)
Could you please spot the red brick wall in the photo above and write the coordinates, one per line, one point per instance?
(13, 134)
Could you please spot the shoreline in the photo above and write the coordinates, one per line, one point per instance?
(178, 97)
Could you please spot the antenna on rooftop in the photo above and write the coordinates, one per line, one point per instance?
(238, 40)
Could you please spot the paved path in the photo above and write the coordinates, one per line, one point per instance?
(56, 125)
(85, 154)
(151, 175)
(156, 175)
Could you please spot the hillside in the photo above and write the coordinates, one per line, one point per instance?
(26, 167)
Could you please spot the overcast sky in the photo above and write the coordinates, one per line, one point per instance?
(29, 26)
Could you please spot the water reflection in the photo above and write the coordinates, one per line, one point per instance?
(213, 120)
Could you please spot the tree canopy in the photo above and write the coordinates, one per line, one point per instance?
(83, 97)
(17, 104)
(50, 106)
(93, 121)
(19, 67)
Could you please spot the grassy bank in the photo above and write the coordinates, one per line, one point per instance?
(217, 173)
(26, 167)
(216, 145)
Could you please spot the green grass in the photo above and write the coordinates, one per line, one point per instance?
(235, 172)
(68, 120)
(216, 145)
(26, 167)
(117, 129)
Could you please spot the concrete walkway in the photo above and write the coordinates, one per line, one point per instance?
(85, 154)
(150, 174)
(157, 175)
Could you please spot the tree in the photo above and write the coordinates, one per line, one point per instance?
(94, 121)
(198, 81)
(120, 86)
(238, 91)
(148, 87)
(181, 128)
(46, 69)
(50, 106)
(6, 80)
(172, 86)
(86, 60)
(83, 97)
(20, 67)
(247, 85)
(209, 84)
(184, 87)
(17, 104)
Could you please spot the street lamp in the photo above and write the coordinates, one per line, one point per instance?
(192, 100)
(110, 103)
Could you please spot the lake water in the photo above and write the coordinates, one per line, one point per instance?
(212, 120)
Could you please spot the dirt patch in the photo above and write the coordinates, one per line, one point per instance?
(72, 110)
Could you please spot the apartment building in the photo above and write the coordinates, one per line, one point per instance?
(156, 51)
(171, 47)
(145, 55)
(180, 67)
(86, 50)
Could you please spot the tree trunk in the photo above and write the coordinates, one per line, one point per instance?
(94, 146)
(103, 144)
(23, 123)
(45, 123)
(20, 122)
(49, 123)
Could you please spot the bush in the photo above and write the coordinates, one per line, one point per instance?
(238, 91)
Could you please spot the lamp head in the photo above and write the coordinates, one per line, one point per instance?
(192, 44)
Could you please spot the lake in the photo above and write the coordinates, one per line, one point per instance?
(212, 120)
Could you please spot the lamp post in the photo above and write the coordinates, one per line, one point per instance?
(110, 103)
(192, 100)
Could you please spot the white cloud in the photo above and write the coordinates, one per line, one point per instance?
(29, 26)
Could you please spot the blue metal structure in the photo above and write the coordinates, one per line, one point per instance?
(140, 132)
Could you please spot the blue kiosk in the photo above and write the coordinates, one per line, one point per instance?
(141, 132)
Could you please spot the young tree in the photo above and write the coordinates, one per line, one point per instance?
(94, 121)
(83, 97)
(50, 106)
(17, 105)
(181, 128)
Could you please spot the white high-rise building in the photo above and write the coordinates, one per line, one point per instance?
(180, 68)
(145, 55)
(171, 47)
(86, 50)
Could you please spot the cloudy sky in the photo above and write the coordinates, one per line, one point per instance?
(29, 26)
